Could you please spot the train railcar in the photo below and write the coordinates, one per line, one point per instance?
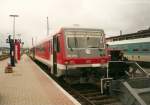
(136, 46)
(74, 52)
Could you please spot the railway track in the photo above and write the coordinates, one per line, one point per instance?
(86, 94)
(92, 94)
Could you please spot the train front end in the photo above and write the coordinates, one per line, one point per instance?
(85, 54)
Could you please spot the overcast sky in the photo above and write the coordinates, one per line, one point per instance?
(110, 15)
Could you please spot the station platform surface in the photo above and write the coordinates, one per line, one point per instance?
(28, 85)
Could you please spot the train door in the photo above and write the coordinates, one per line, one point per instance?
(55, 50)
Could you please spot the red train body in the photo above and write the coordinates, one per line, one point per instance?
(74, 50)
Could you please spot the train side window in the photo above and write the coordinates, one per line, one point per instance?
(145, 49)
(71, 42)
(125, 50)
(135, 49)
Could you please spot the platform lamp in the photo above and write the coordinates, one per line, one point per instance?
(13, 53)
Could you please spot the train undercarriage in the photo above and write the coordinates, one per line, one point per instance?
(84, 75)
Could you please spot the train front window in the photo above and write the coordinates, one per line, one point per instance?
(85, 42)
(93, 42)
(71, 42)
(80, 42)
(76, 42)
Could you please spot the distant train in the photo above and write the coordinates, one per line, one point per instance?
(135, 46)
(76, 52)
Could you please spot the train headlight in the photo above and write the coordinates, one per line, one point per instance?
(88, 51)
(66, 62)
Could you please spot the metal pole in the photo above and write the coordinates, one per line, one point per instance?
(13, 53)
(47, 26)
(32, 42)
(14, 49)
(14, 29)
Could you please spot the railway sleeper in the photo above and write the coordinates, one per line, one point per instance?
(92, 94)
(105, 101)
(116, 103)
(88, 91)
(99, 97)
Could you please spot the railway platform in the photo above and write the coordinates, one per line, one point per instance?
(29, 85)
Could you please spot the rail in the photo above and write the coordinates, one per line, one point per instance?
(75, 93)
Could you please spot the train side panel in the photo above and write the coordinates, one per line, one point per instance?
(43, 52)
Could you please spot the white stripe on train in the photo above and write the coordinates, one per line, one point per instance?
(63, 67)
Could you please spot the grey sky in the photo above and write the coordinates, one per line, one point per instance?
(110, 15)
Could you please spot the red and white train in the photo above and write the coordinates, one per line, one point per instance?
(74, 51)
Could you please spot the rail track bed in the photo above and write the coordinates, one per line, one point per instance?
(90, 95)
(86, 94)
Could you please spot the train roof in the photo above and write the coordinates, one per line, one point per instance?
(49, 37)
(130, 41)
(82, 29)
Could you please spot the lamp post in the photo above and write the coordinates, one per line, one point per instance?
(14, 16)
(13, 53)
